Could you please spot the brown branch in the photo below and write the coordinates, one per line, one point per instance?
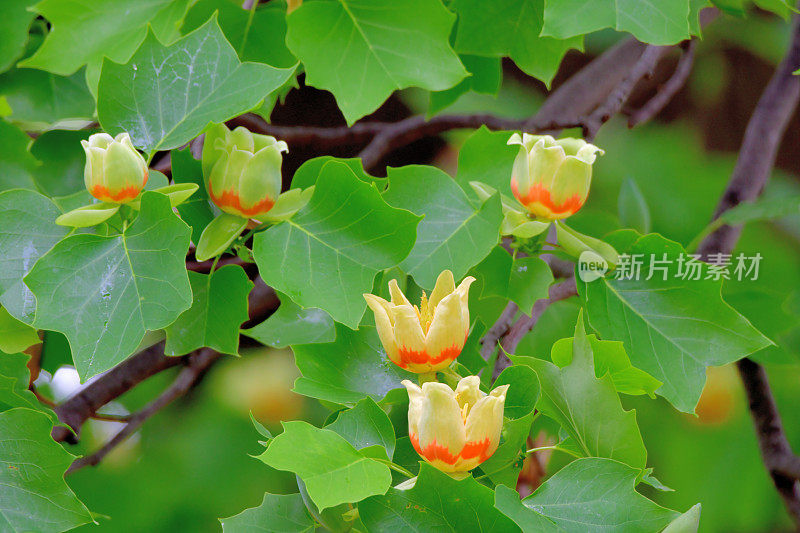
(559, 291)
(496, 332)
(669, 89)
(753, 167)
(196, 365)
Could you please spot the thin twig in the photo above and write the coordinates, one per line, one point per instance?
(191, 373)
(669, 89)
(753, 167)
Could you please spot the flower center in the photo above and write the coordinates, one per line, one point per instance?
(425, 313)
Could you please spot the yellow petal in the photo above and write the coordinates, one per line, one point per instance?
(383, 323)
(468, 391)
(398, 298)
(407, 329)
(447, 333)
(415, 401)
(445, 284)
(441, 431)
(485, 420)
(463, 293)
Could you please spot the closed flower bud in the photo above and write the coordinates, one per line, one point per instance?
(455, 431)
(115, 172)
(551, 177)
(242, 170)
(429, 337)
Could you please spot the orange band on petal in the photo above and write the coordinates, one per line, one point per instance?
(421, 357)
(538, 194)
(102, 192)
(231, 200)
(476, 449)
(434, 451)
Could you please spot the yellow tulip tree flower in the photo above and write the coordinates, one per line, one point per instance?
(115, 172)
(429, 337)
(551, 177)
(455, 431)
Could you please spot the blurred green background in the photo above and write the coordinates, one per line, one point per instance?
(190, 464)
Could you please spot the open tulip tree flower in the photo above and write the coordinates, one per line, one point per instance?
(115, 172)
(429, 337)
(455, 431)
(550, 177)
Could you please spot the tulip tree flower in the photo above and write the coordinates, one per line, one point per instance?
(115, 172)
(429, 337)
(242, 170)
(551, 177)
(455, 431)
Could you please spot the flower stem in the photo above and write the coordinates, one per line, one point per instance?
(554, 448)
(425, 377)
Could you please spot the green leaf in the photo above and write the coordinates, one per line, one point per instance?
(219, 306)
(260, 37)
(650, 22)
(306, 176)
(688, 522)
(511, 28)
(39, 98)
(365, 424)
(436, 503)
(15, 336)
(63, 159)
(278, 513)
(84, 32)
(335, 371)
(363, 50)
(454, 235)
(27, 231)
(196, 211)
(486, 157)
(291, 325)
(218, 236)
(486, 76)
(105, 292)
(333, 471)
(523, 280)
(587, 495)
(17, 165)
(35, 496)
(206, 81)
(632, 207)
(587, 407)
(610, 358)
(14, 380)
(14, 26)
(673, 328)
(335, 245)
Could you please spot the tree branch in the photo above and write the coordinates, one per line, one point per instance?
(753, 167)
(196, 365)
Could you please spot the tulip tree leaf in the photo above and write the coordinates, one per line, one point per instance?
(363, 50)
(650, 22)
(333, 471)
(610, 358)
(335, 245)
(524, 280)
(486, 157)
(14, 28)
(365, 424)
(277, 513)
(588, 408)
(14, 379)
(486, 76)
(35, 496)
(105, 292)
(590, 494)
(436, 503)
(17, 165)
(291, 325)
(454, 235)
(27, 231)
(260, 38)
(85, 32)
(511, 28)
(673, 328)
(15, 336)
(165, 96)
(63, 160)
(218, 308)
(40, 97)
(196, 211)
(335, 371)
